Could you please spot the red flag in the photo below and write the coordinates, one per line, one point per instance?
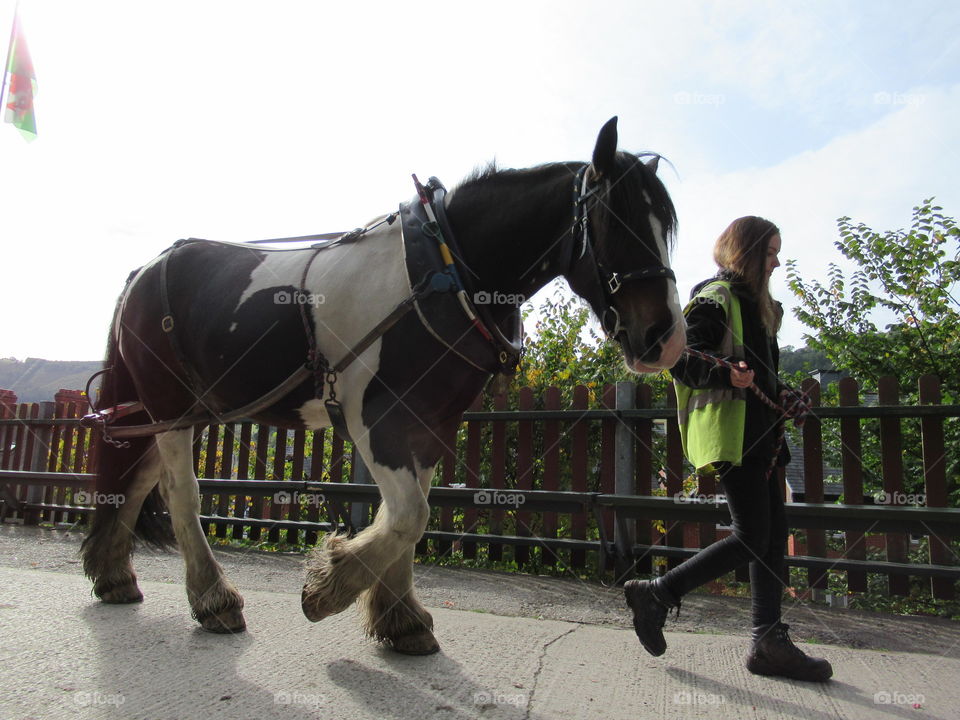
(22, 82)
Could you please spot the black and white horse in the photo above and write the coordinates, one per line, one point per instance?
(209, 327)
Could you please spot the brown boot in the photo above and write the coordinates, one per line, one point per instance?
(773, 653)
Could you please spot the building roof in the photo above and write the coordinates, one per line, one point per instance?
(796, 485)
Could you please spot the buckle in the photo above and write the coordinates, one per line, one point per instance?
(615, 330)
(613, 282)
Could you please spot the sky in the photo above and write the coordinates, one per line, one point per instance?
(242, 120)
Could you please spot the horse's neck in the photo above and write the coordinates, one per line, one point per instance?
(512, 235)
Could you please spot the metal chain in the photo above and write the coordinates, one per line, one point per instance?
(121, 444)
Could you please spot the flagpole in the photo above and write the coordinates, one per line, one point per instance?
(6, 65)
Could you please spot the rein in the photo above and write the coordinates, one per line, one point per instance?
(793, 404)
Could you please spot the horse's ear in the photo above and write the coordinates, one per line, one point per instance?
(653, 163)
(605, 151)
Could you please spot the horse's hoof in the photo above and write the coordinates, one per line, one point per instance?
(314, 608)
(418, 643)
(226, 622)
(122, 594)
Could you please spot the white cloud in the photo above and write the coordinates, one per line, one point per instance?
(875, 176)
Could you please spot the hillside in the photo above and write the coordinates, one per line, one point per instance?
(36, 380)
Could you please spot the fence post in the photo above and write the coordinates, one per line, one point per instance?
(674, 471)
(851, 461)
(891, 458)
(551, 469)
(360, 512)
(624, 464)
(643, 476)
(39, 459)
(472, 472)
(935, 480)
(817, 579)
(498, 474)
(579, 449)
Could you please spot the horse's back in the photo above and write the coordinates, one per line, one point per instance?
(229, 317)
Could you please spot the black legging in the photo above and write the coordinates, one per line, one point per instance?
(759, 538)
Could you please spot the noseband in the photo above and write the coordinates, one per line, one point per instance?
(591, 279)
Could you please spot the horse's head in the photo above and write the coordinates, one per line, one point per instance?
(621, 263)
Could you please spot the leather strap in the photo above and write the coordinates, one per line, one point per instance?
(169, 326)
(507, 350)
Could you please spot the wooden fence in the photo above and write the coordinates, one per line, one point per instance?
(586, 485)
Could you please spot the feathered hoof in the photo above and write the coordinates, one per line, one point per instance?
(225, 623)
(120, 594)
(418, 643)
(315, 607)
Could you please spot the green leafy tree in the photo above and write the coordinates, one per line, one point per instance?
(907, 278)
(804, 360)
(566, 351)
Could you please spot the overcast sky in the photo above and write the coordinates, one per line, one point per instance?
(240, 120)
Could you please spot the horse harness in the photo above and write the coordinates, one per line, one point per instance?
(427, 240)
(432, 258)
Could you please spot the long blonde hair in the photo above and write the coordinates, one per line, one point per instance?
(741, 251)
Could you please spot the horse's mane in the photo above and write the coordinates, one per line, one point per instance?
(490, 172)
(626, 194)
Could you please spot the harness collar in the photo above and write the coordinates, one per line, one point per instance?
(433, 254)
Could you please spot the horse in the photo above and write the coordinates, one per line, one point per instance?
(370, 335)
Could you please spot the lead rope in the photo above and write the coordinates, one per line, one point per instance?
(793, 404)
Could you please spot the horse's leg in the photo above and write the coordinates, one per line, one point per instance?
(341, 568)
(214, 602)
(107, 552)
(392, 611)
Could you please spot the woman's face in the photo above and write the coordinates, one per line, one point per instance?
(773, 254)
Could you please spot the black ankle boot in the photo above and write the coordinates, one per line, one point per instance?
(649, 613)
(773, 653)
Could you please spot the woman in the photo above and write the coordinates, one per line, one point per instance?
(726, 429)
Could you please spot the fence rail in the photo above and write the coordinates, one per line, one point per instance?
(536, 483)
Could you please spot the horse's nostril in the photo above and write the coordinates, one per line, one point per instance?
(655, 336)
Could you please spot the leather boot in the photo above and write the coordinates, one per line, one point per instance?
(773, 653)
(649, 613)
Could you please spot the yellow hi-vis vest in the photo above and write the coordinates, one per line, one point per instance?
(712, 420)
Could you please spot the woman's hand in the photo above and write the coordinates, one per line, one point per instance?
(742, 377)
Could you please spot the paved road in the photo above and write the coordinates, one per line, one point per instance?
(64, 655)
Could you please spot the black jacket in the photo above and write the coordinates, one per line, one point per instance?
(706, 324)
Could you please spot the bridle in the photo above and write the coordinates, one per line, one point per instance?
(586, 274)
